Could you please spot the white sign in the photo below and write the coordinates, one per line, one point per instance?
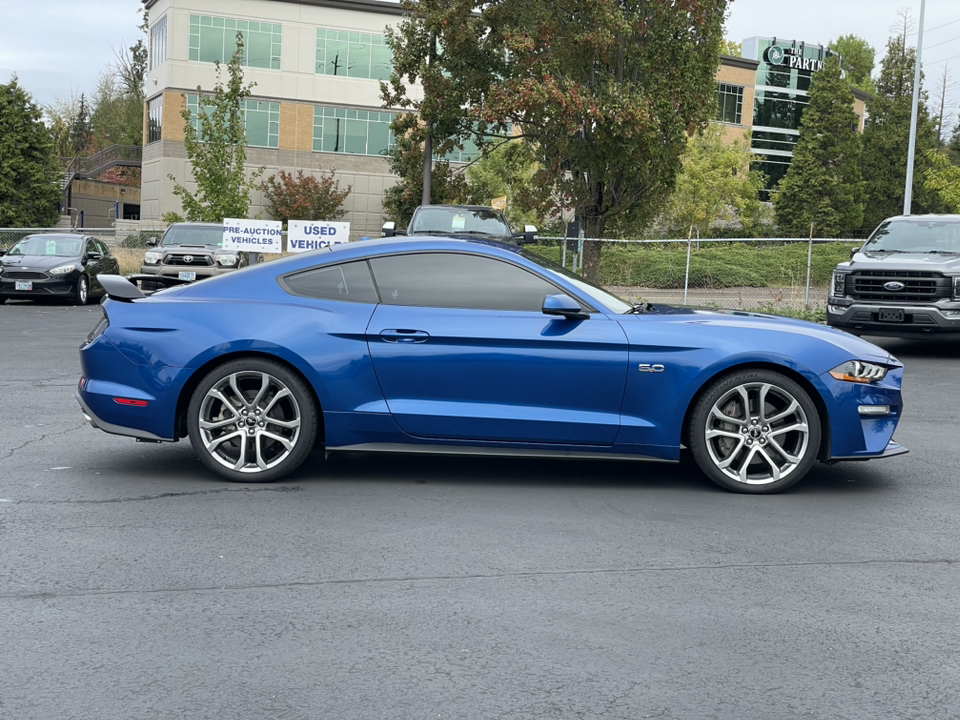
(260, 236)
(304, 235)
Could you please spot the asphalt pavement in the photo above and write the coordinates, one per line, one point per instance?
(134, 584)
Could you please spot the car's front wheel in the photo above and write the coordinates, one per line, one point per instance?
(252, 420)
(755, 431)
(81, 293)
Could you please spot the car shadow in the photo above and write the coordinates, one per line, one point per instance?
(942, 347)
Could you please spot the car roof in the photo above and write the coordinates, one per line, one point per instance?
(929, 217)
(486, 208)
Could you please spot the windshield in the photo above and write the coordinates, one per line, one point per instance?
(596, 293)
(459, 220)
(53, 245)
(195, 235)
(916, 236)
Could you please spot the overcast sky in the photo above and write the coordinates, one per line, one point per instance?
(59, 47)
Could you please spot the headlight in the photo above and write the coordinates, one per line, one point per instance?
(152, 257)
(859, 371)
(956, 288)
(227, 260)
(63, 269)
(839, 284)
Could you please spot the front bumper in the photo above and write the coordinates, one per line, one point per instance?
(865, 318)
(51, 286)
(176, 271)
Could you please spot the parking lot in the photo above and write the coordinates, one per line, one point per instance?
(134, 584)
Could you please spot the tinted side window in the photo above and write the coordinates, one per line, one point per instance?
(349, 281)
(458, 281)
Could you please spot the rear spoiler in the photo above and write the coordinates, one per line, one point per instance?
(127, 289)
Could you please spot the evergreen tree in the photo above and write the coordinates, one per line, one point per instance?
(29, 174)
(886, 139)
(218, 151)
(80, 131)
(953, 147)
(823, 186)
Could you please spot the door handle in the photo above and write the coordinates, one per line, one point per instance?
(404, 336)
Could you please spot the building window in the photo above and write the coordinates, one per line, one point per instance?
(154, 119)
(214, 39)
(730, 101)
(158, 42)
(261, 120)
(353, 54)
(356, 132)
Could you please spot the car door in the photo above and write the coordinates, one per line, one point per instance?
(462, 351)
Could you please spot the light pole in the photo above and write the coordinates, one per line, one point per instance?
(912, 151)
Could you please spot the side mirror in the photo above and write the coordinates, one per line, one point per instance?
(854, 251)
(152, 241)
(564, 306)
(528, 236)
(2, 253)
(94, 256)
(389, 229)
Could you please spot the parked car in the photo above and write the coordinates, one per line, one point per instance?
(49, 265)
(476, 347)
(189, 251)
(903, 282)
(462, 221)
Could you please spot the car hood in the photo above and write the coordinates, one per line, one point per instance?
(195, 249)
(903, 262)
(857, 347)
(36, 262)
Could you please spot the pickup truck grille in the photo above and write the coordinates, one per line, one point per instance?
(198, 260)
(918, 286)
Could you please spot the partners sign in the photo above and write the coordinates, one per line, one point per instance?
(304, 235)
(259, 236)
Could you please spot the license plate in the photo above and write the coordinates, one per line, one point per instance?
(891, 315)
(184, 275)
(23, 285)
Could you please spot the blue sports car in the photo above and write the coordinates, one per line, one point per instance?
(431, 345)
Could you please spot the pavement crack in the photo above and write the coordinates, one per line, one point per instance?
(162, 496)
(47, 595)
(10, 453)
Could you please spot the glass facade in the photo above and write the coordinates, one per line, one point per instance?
(158, 42)
(353, 54)
(782, 92)
(154, 119)
(355, 132)
(730, 101)
(214, 39)
(261, 120)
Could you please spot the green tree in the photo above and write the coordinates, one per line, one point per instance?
(406, 162)
(886, 139)
(606, 91)
(823, 186)
(218, 152)
(508, 171)
(953, 147)
(734, 49)
(304, 197)
(29, 173)
(942, 181)
(81, 132)
(859, 59)
(715, 186)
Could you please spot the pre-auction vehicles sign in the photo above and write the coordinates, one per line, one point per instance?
(304, 235)
(259, 236)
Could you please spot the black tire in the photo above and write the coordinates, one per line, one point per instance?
(81, 292)
(252, 420)
(749, 446)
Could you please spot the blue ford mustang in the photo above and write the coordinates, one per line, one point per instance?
(476, 347)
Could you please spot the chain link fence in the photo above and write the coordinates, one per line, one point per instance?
(782, 274)
(768, 274)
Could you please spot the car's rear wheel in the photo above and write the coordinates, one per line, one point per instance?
(252, 420)
(81, 293)
(755, 431)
